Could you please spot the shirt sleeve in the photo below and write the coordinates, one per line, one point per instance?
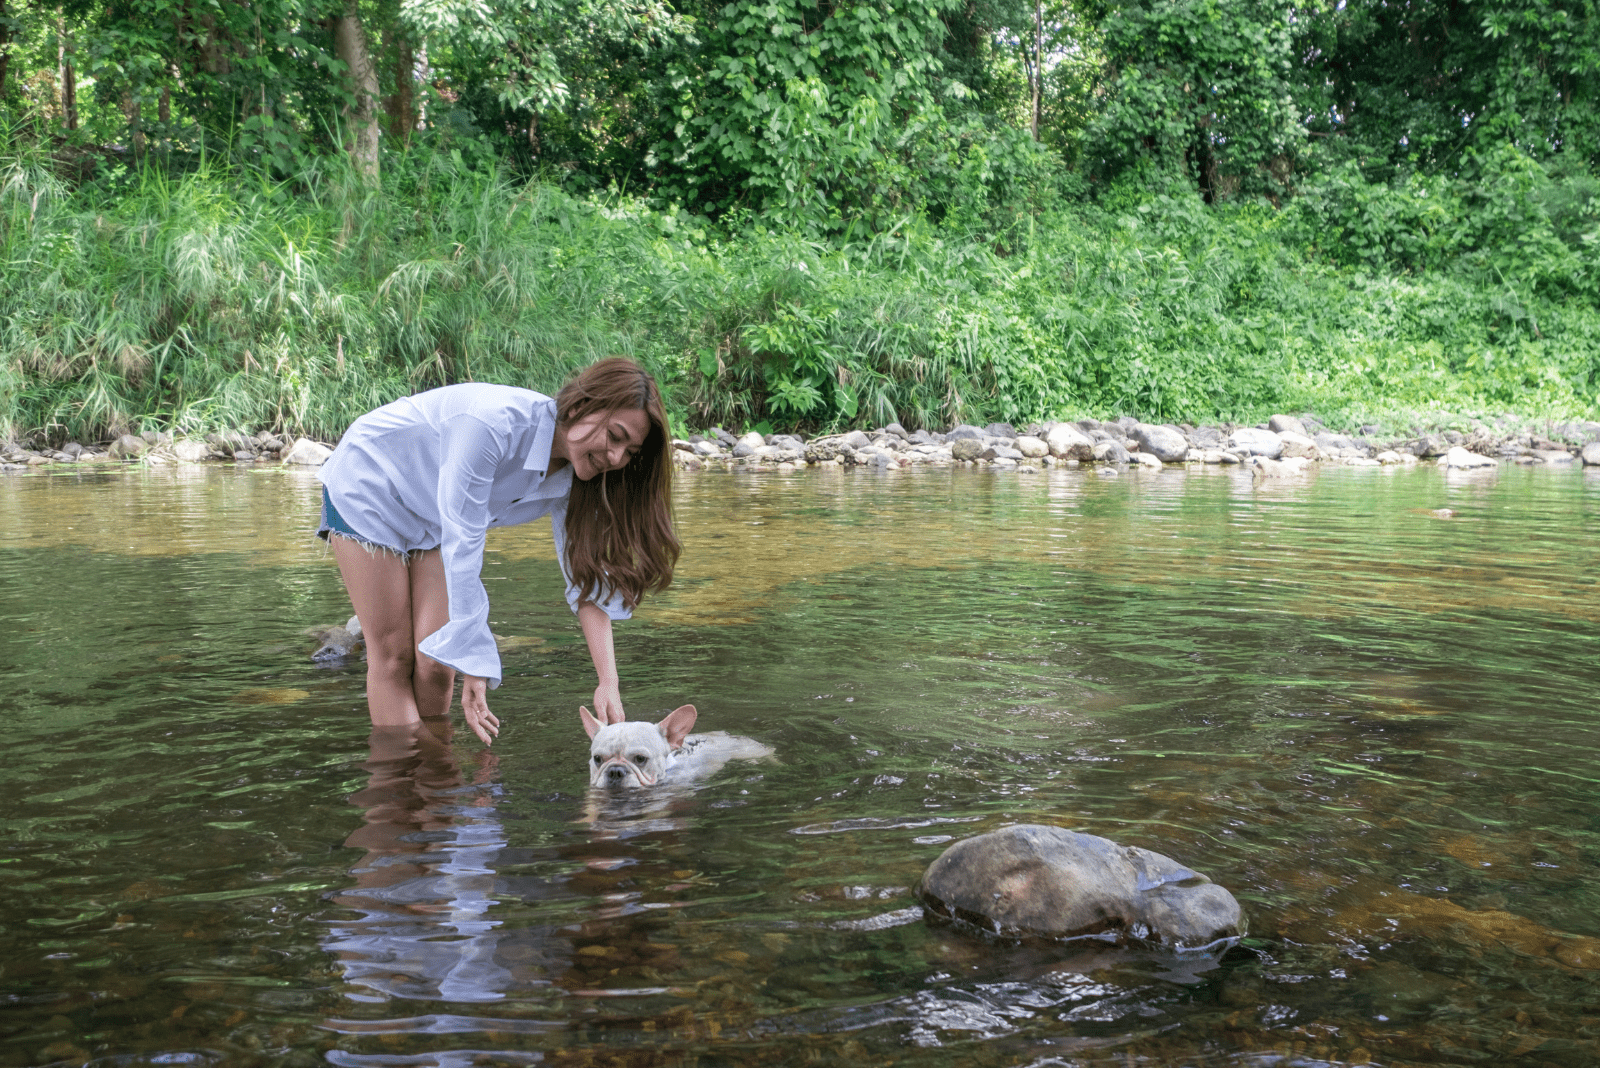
(469, 451)
(610, 601)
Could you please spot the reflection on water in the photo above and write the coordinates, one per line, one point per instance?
(1373, 722)
(424, 890)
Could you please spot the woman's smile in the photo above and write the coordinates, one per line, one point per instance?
(602, 441)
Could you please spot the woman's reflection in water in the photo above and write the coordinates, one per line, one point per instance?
(424, 891)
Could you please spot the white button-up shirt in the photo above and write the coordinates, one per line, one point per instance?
(437, 470)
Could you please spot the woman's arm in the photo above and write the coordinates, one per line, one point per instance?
(597, 632)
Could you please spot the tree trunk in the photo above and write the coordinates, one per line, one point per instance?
(361, 116)
(5, 46)
(69, 78)
(422, 70)
(1038, 65)
(133, 111)
(401, 104)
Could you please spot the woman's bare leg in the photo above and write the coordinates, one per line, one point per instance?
(379, 584)
(433, 683)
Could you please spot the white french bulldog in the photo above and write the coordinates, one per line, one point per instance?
(634, 754)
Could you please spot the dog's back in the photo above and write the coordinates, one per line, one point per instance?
(703, 754)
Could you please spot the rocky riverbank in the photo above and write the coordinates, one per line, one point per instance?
(156, 449)
(1282, 445)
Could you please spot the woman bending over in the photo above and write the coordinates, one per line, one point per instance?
(413, 486)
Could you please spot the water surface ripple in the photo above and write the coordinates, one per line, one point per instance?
(1373, 720)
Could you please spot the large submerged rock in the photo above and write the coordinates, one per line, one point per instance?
(1052, 882)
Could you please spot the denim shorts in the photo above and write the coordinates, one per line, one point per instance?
(334, 523)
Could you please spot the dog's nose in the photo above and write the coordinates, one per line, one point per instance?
(616, 773)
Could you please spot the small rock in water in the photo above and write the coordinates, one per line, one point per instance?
(1265, 468)
(1591, 454)
(1048, 881)
(337, 643)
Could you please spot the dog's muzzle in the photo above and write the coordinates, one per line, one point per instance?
(618, 773)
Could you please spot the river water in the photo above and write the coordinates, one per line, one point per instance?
(1375, 723)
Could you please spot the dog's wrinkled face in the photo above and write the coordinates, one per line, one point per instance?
(634, 754)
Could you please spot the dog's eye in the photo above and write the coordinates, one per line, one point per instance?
(641, 760)
(598, 759)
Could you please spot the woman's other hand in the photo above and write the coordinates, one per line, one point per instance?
(608, 703)
(475, 703)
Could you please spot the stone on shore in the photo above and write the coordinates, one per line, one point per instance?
(1031, 447)
(1165, 443)
(1253, 442)
(128, 447)
(1296, 444)
(191, 451)
(1111, 452)
(1460, 458)
(1591, 454)
(967, 448)
(1051, 882)
(307, 452)
(1280, 424)
(1068, 442)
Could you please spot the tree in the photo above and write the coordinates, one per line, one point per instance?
(1200, 87)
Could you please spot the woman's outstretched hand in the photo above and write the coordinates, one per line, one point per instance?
(608, 703)
(475, 703)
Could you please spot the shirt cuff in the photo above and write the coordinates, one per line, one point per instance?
(467, 646)
(610, 603)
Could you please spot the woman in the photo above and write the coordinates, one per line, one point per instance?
(414, 485)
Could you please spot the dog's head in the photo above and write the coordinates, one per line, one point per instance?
(634, 754)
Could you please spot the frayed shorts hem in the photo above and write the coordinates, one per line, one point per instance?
(332, 523)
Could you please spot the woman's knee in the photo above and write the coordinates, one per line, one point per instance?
(428, 671)
(391, 659)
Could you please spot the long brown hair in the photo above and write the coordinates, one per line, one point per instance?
(619, 523)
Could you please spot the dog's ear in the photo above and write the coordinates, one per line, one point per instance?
(590, 724)
(676, 727)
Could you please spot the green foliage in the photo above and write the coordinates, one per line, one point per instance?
(1200, 87)
(800, 109)
(221, 299)
(1412, 86)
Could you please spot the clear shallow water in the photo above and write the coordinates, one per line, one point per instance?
(1376, 726)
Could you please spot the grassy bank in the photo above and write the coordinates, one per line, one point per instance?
(218, 299)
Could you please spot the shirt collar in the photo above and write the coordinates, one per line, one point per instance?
(544, 437)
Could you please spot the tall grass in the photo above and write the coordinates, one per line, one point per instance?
(219, 299)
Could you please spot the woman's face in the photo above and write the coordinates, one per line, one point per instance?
(603, 441)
